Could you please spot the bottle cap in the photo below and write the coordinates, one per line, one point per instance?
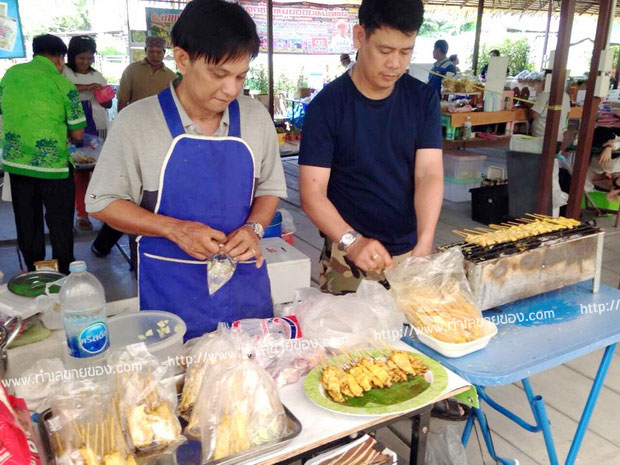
(77, 266)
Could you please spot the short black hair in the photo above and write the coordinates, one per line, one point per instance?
(494, 52)
(77, 45)
(453, 57)
(404, 15)
(442, 45)
(215, 30)
(47, 44)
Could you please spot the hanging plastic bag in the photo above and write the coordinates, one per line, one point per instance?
(434, 294)
(350, 319)
(444, 447)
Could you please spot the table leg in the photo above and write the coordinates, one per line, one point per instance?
(537, 404)
(419, 433)
(591, 402)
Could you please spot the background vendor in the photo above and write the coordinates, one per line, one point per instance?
(216, 152)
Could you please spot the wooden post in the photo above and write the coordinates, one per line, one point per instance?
(474, 65)
(586, 131)
(554, 108)
(270, 54)
(617, 75)
(549, 14)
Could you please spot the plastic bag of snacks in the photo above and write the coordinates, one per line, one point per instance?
(205, 351)
(287, 360)
(17, 446)
(350, 319)
(434, 294)
(85, 425)
(239, 408)
(146, 402)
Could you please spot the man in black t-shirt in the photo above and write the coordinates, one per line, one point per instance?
(371, 176)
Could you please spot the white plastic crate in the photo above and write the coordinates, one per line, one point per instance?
(457, 190)
(462, 165)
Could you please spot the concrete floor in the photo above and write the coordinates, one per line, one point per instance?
(602, 441)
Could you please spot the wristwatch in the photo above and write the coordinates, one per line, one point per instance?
(347, 240)
(257, 228)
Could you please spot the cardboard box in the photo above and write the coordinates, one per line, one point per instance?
(288, 269)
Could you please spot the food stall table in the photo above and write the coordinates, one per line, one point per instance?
(457, 119)
(582, 323)
(323, 428)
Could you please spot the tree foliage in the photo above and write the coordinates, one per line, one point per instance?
(517, 51)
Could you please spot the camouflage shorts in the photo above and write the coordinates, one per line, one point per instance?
(339, 275)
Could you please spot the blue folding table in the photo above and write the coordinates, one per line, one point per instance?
(526, 344)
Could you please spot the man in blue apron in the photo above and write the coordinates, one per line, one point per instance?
(195, 171)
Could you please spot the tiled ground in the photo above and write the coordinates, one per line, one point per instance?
(566, 387)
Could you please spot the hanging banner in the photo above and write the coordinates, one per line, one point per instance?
(159, 22)
(11, 35)
(298, 28)
(305, 28)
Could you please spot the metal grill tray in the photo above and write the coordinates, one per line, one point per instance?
(477, 253)
(189, 452)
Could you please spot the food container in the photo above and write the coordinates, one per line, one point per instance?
(162, 332)
(463, 165)
(453, 350)
(457, 190)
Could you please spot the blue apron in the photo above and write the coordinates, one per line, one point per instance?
(209, 180)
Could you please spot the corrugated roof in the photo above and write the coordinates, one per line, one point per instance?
(589, 7)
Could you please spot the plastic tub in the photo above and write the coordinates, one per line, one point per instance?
(453, 350)
(275, 227)
(128, 328)
(462, 165)
(457, 190)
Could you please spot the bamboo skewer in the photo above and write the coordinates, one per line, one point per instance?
(460, 233)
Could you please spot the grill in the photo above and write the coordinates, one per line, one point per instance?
(476, 253)
(508, 271)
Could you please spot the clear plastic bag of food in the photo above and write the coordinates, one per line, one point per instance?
(87, 153)
(146, 402)
(434, 294)
(85, 426)
(349, 319)
(287, 360)
(239, 408)
(205, 351)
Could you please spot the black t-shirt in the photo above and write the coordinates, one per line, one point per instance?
(370, 147)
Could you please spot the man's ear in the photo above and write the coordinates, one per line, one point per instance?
(182, 59)
(359, 36)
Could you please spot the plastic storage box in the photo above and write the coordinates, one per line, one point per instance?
(489, 204)
(462, 165)
(457, 190)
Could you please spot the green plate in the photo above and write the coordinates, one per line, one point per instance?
(32, 284)
(436, 377)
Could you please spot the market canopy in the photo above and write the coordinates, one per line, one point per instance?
(590, 7)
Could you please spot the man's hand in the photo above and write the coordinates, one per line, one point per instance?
(369, 255)
(605, 156)
(422, 250)
(242, 245)
(198, 240)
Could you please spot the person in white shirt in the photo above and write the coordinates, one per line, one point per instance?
(79, 71)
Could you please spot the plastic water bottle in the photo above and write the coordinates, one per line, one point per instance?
(82, 301)
(467, 126)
